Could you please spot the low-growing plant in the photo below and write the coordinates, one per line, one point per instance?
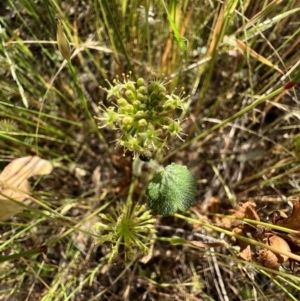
(142, 113)
(152, 170)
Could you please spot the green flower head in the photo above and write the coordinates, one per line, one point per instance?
(142, 112)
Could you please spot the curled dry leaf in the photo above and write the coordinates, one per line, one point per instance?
(273, 260)
(276, 216)
(268, 259)
(293, 239)
(291, 222)
(247, 210)
(14, 185)
(280, 244)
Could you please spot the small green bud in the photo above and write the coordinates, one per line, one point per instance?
(122, 102)
(140, 114)
(140, 97)
(140, 82)
(143, 90)
(142, 123)
(129, 94)
(162, 89)
(161, 95)
(130, 86)
(127, 120)
(136, 104)
(129, 109)
(154, 86)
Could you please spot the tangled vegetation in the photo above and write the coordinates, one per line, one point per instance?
(149, 150)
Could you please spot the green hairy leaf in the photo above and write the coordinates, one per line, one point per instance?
(171, 190)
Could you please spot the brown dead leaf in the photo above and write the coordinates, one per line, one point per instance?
(291, 222)
(273, 260)
(247, 210)
(245, 250)
(280, 244)
(243, 210)
(276, 216)
(246, 254)
(293, 239)
(14, 186)
(213, 205)
(240, 232)
(226, 223)
(268, 259)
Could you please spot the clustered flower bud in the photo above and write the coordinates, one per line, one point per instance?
(143, 114)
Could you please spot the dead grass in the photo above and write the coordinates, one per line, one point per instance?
(242, 144)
